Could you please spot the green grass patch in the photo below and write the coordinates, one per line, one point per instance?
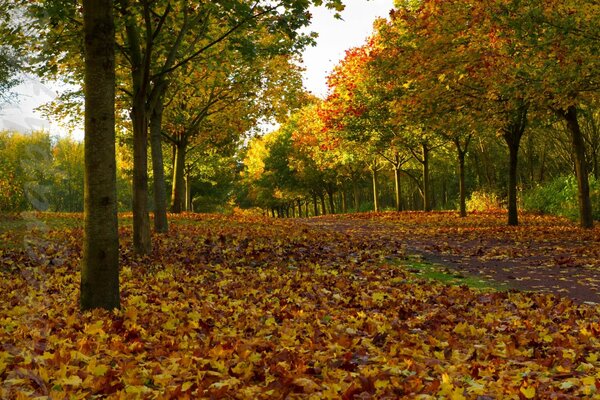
(445, 275)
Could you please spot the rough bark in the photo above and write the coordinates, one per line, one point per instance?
(398, 189)
(141, 218)
(331, 201)
(178, 192)
(323, 207)
(139, 119)
(461, 183)
(375, 190)
(100, 264)
(356, 193)
(315, 206)
(161, 224)
(426, 187)
(512, 136)
(583, 188)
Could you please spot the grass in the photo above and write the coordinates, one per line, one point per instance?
(440, 273)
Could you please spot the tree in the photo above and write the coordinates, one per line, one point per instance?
(100, 262)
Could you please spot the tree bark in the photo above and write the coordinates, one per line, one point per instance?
(513, 217)
(426, 188)
(356, 194)
(331, 202)
(344, 202)
(178, 192)
(323, 207)
(586, 219)
(397, 188)
(99, 287)
(512, 136)
(316, 207)
(461, 182)
(188, 193)
(375, 203)
(299, 208)
(161, 223)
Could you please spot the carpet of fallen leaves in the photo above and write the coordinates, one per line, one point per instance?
(252, 308)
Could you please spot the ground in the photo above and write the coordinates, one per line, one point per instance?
(332, 307)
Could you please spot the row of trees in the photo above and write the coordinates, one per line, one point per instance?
(441, 76)
(192, 74)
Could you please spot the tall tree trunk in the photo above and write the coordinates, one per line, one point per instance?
(159, 186)
(99, 287)
(141, 218)
(323, 208)
(398, 189)
(316, 207)
(140, 77)
(375, 202)
(178, 192)
(513, 218)
(426, 188)
(331, 201)
(188, 193)
(299, 208)
(356, 193)
(461, 182)
(512, 136)
(344, 202)
(586, 219)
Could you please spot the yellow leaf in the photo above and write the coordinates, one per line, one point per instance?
(307, 384)
(186, 386)
(528, 392)
(100, 370)
(72, 380)
(381, 384)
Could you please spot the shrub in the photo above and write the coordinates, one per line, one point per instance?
(559, 197)
(483, 201)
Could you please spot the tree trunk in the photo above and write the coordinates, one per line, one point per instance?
(356, 192)
(426, 188)
(323, 208)
(139, 119)
(331, 202)
(188, 193)
(375, 203)
(159, 186)
(513, 218)
(583, 188)
(316, 207)
(344, 202)
(397, 188)
(512, 135)
(99, 287)
(178, 191)
(141, 219)
(461, 182)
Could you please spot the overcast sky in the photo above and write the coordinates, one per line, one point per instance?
(335, 37)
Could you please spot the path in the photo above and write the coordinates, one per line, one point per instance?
(543, 254)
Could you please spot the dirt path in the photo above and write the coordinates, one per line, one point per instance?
(549, 255)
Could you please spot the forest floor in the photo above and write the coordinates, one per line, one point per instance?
(543, 253)
(247, 307)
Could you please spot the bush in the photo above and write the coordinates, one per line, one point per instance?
(559, 197)
(483, 201)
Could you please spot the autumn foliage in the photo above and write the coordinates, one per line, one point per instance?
(249, 308)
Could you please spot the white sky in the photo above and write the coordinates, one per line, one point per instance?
(335, 37)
